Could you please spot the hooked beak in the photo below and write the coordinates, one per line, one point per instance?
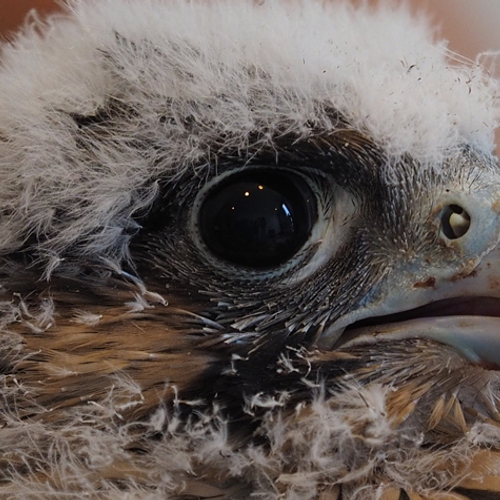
(450, 295)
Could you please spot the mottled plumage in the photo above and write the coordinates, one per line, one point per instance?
(337, 340)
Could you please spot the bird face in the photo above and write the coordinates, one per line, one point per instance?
(420, 247)
(236, 268)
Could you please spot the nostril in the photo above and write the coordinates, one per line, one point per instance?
(455, 222)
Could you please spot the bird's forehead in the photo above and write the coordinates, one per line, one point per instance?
(284, 69)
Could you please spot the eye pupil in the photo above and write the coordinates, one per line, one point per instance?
(257, 219)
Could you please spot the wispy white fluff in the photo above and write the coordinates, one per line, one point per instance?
(86, 318)
(232, 69)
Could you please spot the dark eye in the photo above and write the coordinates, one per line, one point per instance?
(258, 219)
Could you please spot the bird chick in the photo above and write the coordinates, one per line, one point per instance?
(247, 250)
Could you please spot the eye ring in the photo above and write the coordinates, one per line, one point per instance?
(256, 218)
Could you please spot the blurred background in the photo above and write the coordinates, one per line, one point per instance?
(472, 26)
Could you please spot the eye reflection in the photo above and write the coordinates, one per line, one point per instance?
(258, 219)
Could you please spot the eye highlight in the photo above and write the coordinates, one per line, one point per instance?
(258, 219)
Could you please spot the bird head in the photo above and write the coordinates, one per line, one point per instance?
(247, 250)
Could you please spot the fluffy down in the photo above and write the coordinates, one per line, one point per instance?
(104, 106)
